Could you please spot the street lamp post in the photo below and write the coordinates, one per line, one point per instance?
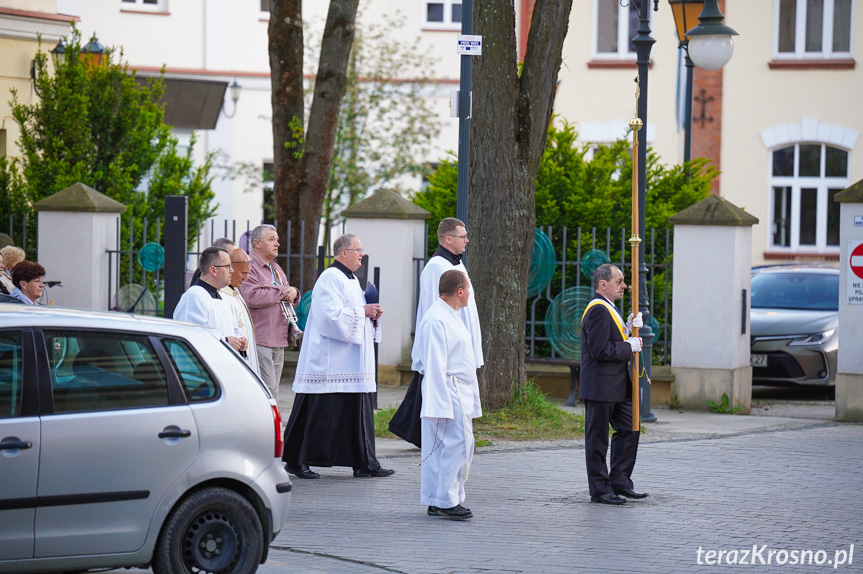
(685, 16)
(464, 109)
(710, 47)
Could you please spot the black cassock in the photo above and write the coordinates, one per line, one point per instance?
(332, 429)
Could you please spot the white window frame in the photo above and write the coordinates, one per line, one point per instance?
(797, 183)
(623, 37)
(159, 6)
(800, 52)
(447, 24)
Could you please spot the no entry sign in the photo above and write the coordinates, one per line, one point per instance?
(855, 272)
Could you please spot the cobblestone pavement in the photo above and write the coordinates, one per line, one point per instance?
(717, 483)
(786, 489)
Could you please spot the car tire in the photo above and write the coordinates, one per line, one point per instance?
(214, 530)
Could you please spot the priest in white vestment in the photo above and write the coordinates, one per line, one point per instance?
(231, 293)
(332, 421)
(202, 304)
(443, 352)
(452, 243)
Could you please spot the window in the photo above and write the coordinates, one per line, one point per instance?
(818, 29)
(197, 382)
(103, 371)
(10, 374)
(804, 179)
(443, 14)
(614, 27)
(154, 5)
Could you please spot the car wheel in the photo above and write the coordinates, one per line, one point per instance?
(213, 531)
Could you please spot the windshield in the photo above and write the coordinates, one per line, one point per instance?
(796, 290)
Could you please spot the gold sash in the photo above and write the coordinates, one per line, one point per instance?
(611, 310)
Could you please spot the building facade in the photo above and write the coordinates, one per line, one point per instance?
(780, 120)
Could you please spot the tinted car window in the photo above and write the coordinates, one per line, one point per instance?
(804, 291)
(103, 371)
(10, 374)
(197, 382)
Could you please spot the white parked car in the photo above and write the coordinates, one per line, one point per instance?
(133, 441)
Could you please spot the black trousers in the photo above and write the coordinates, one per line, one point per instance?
(624, 445)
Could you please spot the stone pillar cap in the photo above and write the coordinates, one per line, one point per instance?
(386, 204)
(81, 198)
(713, 210)
(851, 194)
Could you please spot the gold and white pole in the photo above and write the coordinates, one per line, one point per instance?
(635, 125)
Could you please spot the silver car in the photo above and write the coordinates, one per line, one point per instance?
(133, 441)
(794, 318)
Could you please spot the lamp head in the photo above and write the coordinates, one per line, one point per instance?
(685, 14)
(710, 43)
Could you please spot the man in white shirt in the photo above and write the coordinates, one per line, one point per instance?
(203, 305)
(444, 355)
(231, 293)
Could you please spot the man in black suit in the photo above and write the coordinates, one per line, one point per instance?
(606, 389)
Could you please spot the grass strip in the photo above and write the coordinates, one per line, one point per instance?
(531, 416)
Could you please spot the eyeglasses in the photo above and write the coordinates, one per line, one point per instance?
(228, 265)
(360, 251)
(459, 236)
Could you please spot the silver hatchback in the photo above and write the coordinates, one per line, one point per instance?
(133, 441)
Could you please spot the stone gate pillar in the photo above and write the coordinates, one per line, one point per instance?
(392, 231)
(710, 318)
(77, 228)
(849, 361)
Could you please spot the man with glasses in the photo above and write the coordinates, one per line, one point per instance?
(202, 304)
(265, 290)
(452, 240)
(332, 422)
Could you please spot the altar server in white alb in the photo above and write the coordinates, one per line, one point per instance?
(203, 305)
(452, 243)
(332, 422)
(444, 353)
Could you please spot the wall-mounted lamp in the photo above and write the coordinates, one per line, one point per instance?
(235, 97)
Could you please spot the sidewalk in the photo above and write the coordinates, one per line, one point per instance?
(670, 424)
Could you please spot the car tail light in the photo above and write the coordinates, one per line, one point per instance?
(280, 439)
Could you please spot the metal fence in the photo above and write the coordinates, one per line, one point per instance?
(571, 270)
(22, 232)
(123, 258)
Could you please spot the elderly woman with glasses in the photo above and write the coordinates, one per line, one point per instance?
(27, 276)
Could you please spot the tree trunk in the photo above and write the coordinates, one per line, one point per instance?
(301, 170)
(510, 122)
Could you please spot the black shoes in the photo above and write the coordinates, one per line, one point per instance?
(457, 512)
(629, 493)
(378, 472)
(302, 471)
(608, 498)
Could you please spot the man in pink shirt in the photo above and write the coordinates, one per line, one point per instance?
(263, 290)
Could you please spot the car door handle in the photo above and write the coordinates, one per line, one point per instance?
(178, 433)
(15, 444)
